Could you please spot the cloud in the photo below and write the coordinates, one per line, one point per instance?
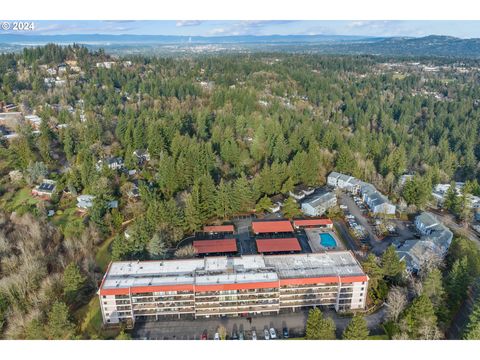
(248, 27)
(84, 27)
(182, 23)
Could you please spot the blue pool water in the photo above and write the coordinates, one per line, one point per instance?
(327, 240)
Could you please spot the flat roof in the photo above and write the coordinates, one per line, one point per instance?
(259, 227)
(278, 245)
(215, 246)
(315, 265)
(312, 222)
(219, 228)
(223, 272)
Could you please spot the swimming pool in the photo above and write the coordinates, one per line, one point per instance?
(327, 240)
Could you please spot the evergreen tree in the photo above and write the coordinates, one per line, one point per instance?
(290, 208)
(318, 327)
(391, 265)
(59, 326)
(452, 202)
(357, 329)
(472, 330)
(73, 281)
(264, 205)
(156, 247)
(419, 321)
(433, 288)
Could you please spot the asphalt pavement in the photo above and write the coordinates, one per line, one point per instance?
(193, 329)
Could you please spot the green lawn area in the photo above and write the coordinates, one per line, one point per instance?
(89, 317)
(22, 197)
(103, 256)
(64, 217)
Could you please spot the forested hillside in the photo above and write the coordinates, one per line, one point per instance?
(222, 133)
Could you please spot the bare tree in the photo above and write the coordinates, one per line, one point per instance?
(396, 302)
(185, 252)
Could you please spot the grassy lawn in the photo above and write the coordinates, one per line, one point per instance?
(89, 317)
(103, 256)
(22, 197)
(378, 337)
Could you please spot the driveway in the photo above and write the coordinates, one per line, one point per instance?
(193, 329)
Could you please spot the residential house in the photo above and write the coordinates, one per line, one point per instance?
(34, 120)
(45, 189)
(317, 205)
(344, 182)
(113, 163)
(85, 202)
(376, 202)
(434, 243)
(142, 155)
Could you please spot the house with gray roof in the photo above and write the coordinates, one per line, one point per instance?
(317, 205)
(434, 243)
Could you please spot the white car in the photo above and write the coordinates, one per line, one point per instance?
(273, 334)
(254, 335)
(267, 335)
(216, 337)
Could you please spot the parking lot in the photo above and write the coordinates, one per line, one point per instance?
(366, 229)
(294, 321)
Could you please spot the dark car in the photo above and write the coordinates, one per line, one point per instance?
(285, 333)
(234, 335)
(204, 335)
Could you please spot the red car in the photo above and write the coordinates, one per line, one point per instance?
(205, 335)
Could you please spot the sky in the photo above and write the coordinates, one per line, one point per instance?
(414, 28)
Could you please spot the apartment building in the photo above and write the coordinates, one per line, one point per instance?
(221, 286)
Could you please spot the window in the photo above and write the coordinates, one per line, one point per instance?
(362, 288)
(105, 303)
(104, 297)
(361, 294)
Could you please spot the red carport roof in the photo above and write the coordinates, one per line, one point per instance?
(271, 226)
(215, 246)
(278, 245)
(219, 228)
(312, 222)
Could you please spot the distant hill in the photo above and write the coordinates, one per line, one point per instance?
(433, 45)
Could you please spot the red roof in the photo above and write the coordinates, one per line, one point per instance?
(271, 226)
(215, 246)
(312, 222)
(219, 229)
(278, 245)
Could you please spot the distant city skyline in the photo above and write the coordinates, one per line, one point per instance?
(411, 28)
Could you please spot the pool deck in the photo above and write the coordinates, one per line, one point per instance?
(313, 235)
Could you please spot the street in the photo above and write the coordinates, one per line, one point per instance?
(193, 329)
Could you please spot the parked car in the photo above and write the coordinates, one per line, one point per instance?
(254, 335)
(241, 336)
(204, 335)
(216, 337)
(285, 333)
(234, 335)
(273, 334)
(267, 335)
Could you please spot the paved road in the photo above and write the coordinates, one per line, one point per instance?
(192, 329)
